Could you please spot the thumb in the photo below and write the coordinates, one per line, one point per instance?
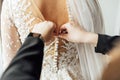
(65, 26)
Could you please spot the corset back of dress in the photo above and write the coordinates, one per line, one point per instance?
(61, 58)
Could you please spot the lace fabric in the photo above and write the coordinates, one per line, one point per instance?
(65, 66)
(9, 34)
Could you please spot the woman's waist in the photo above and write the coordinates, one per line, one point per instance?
(60, 46)
(56, 45)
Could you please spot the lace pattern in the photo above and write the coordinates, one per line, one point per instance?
(67, 64)
(10, 40)
(24, 17)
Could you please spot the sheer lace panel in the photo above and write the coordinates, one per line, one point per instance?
(10, 37)
(26, 14)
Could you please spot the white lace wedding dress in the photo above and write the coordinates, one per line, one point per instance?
(63, 60)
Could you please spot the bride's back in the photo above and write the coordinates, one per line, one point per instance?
(53, 10)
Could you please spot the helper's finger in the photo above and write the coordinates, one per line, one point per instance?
(63, 29)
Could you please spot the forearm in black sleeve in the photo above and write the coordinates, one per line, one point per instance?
(27, 64)
(106, 43)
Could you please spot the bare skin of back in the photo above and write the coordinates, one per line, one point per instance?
(54, 10)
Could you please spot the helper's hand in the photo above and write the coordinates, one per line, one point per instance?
(74, 33)
(46, 29)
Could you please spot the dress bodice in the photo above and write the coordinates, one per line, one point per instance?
(61, 61)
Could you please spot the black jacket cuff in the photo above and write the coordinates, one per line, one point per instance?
(106, 43)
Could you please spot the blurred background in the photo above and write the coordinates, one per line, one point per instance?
(0, 37)
(111, 15)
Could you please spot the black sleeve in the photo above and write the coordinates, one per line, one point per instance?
(106, 43)
(27, 64)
